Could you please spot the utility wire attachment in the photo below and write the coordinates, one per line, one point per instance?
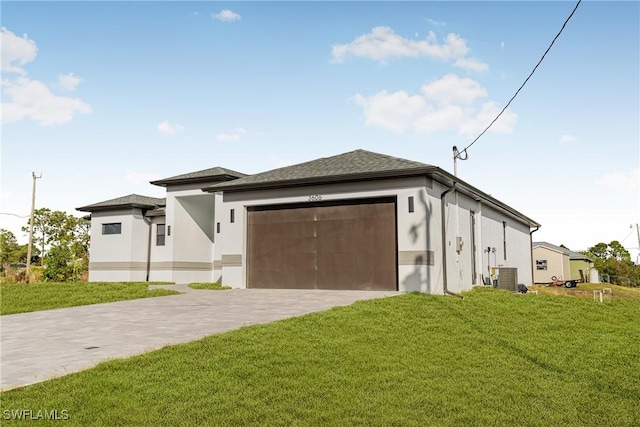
(464, 150)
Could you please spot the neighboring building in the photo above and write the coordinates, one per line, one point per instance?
(555, 261)
(359, 220)
(582, 267)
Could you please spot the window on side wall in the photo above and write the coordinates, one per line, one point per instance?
(112, 228)
(160, 234)
(541, 264)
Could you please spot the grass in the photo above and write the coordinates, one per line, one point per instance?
(494, 358)
(585, 290)
(209, 286)
(21, 298)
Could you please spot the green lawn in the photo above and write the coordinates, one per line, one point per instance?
(209, 286)
(21, 298)
(492, 359)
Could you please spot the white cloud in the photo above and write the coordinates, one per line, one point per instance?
(501, 45)
(226, 15)
(32, 99)
(14, 49)
(382, 44)
(471, 64)
(566, 139)
(232, 136)
(24, 98)
(166, 127)
(622, 182)
(436, 23)
(450, 103)
(68, 82)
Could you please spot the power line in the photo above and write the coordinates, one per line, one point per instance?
(12, 214)
(464, 150)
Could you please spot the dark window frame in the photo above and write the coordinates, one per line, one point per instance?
(111, 228)
(161, 230)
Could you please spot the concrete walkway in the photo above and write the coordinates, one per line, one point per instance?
(38, 346)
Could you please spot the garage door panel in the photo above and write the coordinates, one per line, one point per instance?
(347, 246)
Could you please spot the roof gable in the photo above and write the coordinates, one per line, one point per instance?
(206, 175)
(129, 201)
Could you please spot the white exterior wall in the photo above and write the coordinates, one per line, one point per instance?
(217, 253)
(159, 254)
(188, 254)
(518, 244)
(119, 257)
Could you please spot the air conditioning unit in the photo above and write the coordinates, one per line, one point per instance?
(508, 278)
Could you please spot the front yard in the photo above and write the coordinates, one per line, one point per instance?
(22, 298)
(494, 358)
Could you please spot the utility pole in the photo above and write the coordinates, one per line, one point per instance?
(638, 231)
(33, 208)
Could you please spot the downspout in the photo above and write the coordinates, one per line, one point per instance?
(533, 282)
(144, 218)
(444, 243)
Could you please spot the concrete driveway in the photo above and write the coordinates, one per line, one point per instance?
(38, 346)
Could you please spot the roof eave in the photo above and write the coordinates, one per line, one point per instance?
(115, 207)
(180, 181)
(331, 179)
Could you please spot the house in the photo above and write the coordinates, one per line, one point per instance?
(358, 220)
(564, 264)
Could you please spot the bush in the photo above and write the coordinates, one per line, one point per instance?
(59, 264)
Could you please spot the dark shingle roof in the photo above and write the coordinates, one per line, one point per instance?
(130, 201)
(205, 175)
(358, 163)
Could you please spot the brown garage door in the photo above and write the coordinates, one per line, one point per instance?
(346, 245)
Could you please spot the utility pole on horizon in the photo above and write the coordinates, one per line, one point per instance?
(33, 208)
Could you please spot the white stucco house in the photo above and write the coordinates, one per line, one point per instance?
(358, 220)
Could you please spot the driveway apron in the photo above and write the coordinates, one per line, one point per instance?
(41, 345)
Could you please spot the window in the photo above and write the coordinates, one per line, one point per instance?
(541, 264)
(160, 235)
(168, 230)
(112, 228)
(217, 227)
(233, 215)
(504, 239)
(411, 204)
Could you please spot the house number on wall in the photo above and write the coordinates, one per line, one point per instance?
(315, 197)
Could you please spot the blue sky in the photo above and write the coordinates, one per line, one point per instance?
(102, 97)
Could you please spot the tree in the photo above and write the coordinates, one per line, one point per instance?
(8, 247)
(51, 227)
(615, 261)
